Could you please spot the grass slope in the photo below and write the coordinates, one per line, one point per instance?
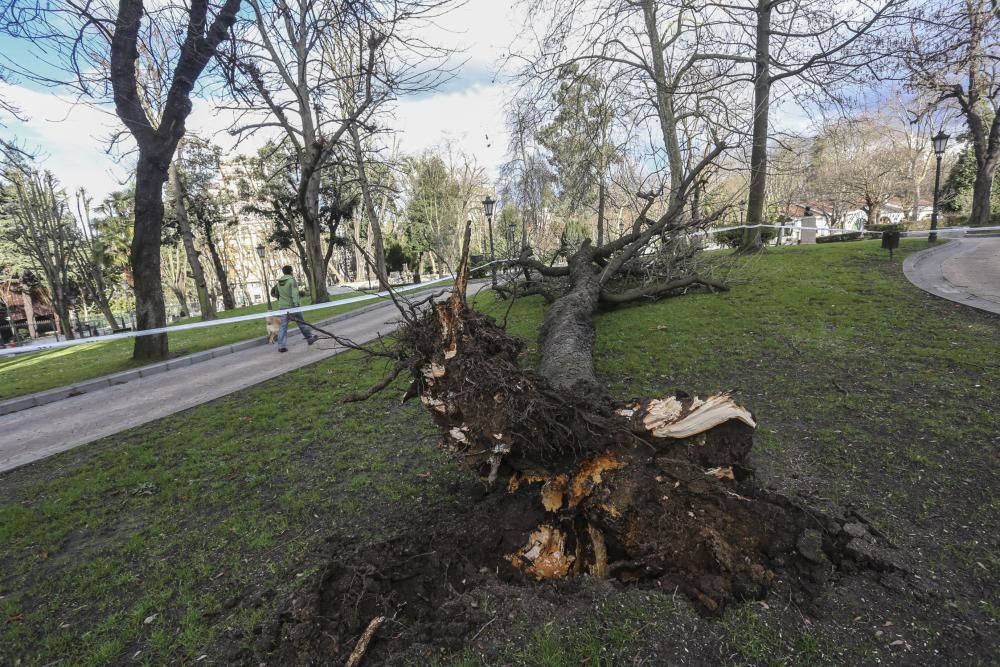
(173, 540)
(30, 372)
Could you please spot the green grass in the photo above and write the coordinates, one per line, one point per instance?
(30, 372)
(163, 541)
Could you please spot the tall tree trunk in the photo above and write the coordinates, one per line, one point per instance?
(761, 106)
(566, 345)
(228, 300)
(310, 222)
(187, 236)
(359, 260)
(366, 194)
(29, 313)
(61, 310)
(915, 211)
(150, 309)
(664, 101)
(872, 214)
(982, 193)
(601, 197)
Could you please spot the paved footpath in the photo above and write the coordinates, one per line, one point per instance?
(39, 432)
(965, 270)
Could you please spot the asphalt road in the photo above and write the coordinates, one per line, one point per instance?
(965, 271)
(39, 432)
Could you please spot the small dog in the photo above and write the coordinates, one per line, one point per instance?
(273, 324)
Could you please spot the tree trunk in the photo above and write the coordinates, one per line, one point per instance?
(187, 236)
(376, 229)
(601, 196)
(872, 214)
(982, 193)
(310, 223)
(228, 300)
(566, 345)
(61, 310)
(757, 195)
(29, 313)
(150, 309)
(359, 260)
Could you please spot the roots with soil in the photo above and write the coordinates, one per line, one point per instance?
(649, 491)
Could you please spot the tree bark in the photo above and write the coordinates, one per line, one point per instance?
(150, 309)
(29, 312)
(566, 345)
(982, 193)
(310, 223)
(380, 269)
(187, 236)
(601, 203)
(228, 300)
(757, 195)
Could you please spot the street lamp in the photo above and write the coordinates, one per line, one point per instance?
(488, 204)
(940, 143)
(263, 274)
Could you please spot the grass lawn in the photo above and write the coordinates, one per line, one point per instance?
(181, 538)
(27, 373)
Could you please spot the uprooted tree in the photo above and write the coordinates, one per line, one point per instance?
(639, 490)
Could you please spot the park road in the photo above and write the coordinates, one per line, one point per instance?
(39, 432)
(965, 271)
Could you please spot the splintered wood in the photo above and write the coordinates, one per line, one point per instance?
(683, 418)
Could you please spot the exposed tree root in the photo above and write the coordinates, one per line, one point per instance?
(643, 490)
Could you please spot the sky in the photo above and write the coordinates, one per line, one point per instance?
(72, 137)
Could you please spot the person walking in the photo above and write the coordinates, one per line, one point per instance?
(287, 292)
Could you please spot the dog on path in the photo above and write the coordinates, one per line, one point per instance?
(273, 325)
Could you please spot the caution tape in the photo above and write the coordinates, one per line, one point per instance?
(229, 320)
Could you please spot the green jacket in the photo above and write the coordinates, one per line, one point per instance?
(288, 293)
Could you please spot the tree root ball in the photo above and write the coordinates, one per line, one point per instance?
(651, 489)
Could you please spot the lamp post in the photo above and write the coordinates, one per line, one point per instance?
(263, 274)
(488, 204)
(940, 143)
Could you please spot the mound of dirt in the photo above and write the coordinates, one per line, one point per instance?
(428, 582)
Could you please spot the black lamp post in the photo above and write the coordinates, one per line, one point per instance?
(263, 274)
(940, 143)
(488, 205)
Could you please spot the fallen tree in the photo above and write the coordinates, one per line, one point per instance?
(639, 490)
(652, 492)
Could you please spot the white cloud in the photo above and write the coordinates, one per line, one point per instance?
(72, 138)
(471, 118)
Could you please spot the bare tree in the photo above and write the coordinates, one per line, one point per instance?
(41, 228)
(321, 73)
(147, 58)
(91, 259)
(954, 55)
(859, 158)
(180, 214)
(812, 43)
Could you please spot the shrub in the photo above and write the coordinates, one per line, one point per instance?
(846, 236)
(734, 237)
(895, 227)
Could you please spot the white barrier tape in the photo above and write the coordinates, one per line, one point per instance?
(837, 232)
(229, 320)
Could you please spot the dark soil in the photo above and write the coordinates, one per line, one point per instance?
(430, 581)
